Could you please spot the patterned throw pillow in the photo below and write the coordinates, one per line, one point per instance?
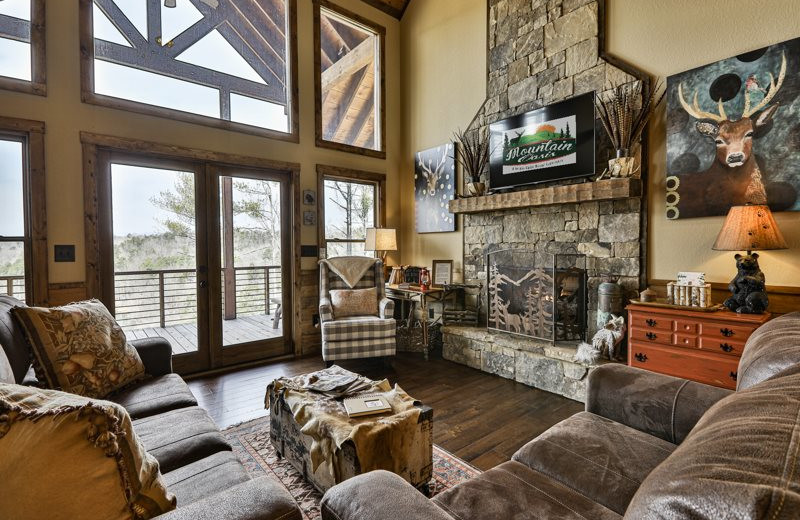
(79, 348)
(354, 302)
(72, 457)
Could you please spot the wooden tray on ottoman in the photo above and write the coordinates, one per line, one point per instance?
(295, 446)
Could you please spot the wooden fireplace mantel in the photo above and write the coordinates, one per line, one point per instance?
(607, 189)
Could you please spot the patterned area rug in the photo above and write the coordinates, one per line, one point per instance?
(250, 441)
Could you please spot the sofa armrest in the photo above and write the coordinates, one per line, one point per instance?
(386, 308)
(258, 499)
(325, 309)
(663, 406)
(156, 354)
(378, 495)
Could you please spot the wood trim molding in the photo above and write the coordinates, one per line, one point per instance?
(38, 42)
(325, 171)
(89, 96)
(782, 299)
(381, 32)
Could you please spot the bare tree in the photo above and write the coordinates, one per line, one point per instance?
(357, 203)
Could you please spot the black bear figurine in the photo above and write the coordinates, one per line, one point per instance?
(748, 292)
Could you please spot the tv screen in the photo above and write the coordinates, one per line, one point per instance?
(548, 144)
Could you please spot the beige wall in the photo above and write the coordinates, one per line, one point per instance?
(65, 116)
(443, 49)
(664, 38)
(660, 37)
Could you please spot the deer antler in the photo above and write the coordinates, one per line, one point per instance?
(773, 89)
(696, 112)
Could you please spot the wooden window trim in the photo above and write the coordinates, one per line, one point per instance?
(38, 83)
(35, 209)
(89, 96)
(381, 32)
(348, 174)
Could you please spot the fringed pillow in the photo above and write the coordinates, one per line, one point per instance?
(64, 456)
(354, 302)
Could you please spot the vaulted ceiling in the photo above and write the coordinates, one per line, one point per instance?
(394, 8)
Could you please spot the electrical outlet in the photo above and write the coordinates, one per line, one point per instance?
(64, 253)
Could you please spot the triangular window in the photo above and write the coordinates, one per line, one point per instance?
(214, 52)
(105, 29)
(136, 12)
(175, 20)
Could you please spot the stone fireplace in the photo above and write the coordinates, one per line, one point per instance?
(541, 52)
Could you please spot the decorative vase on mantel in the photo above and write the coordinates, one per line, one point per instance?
(476, 189)
(623, 165)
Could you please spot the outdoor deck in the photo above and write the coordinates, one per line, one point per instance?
(184, 337)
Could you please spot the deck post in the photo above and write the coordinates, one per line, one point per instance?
(162, 312)
(266, 290)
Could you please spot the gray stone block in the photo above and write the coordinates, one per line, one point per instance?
(581, 56)
(498, 360)
(522, 91)
(622, 227)
(565, 31)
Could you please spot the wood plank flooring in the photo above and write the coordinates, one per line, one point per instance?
(479, 417)
(184, 337)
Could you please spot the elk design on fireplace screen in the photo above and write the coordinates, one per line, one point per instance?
(543, 300)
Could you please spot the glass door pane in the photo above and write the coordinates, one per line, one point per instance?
(251, 254)
(155, 254)
(12, 220)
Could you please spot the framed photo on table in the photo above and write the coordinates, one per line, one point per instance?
(442, 272)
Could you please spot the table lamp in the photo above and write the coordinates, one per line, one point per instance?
(749, 227)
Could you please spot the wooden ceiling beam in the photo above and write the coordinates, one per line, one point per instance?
(353, 61)
(342, 109)
(354, 136)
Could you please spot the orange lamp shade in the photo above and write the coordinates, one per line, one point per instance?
(750, 227)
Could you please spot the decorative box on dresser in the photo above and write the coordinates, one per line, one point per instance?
(703, 346)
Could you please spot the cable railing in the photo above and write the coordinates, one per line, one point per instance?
(168, 297)
(13, 286)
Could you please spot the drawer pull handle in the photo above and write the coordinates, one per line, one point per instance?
(734, 375)
(651, 322)
(726, 332)
(641, 358)
(725, 347)
(651, 336)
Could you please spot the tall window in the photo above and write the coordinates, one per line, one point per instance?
(12, 218)
(349, 61)
(227, 61)
(22, 45)
(351, 202)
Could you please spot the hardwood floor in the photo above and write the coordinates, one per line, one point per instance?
(479, 417)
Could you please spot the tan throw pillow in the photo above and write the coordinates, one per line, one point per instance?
(6, 373)
(354, 302)
(64, 456)
(79, 348)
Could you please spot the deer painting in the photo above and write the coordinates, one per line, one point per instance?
(434, 187)
(734, 177)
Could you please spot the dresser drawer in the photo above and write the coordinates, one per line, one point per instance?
(651, 322)
(723, 330)
(685, 340)
(722, 346)
(663, 337)
(712, 369)
(686, 326)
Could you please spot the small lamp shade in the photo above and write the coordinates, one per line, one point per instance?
(750, 227)
(381, 239)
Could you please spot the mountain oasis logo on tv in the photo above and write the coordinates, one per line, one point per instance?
(551, 143)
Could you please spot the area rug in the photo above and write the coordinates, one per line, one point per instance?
(250, 441)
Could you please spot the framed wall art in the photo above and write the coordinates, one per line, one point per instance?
(733, 133)
(442, 272)
(434, 188)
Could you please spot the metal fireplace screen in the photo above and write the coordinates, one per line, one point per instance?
(544, 299)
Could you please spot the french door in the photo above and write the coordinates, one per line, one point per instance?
(194, 252)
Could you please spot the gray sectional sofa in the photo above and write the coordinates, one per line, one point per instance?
(195, 459)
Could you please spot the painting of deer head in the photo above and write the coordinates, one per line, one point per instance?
(434, 188)
(723, 156)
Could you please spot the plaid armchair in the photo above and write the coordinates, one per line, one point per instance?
(356, 337)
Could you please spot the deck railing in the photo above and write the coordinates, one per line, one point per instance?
(169, 297)
(13, 286)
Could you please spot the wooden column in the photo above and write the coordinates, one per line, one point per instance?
(229, 289)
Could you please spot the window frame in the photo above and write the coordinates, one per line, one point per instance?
(324, 173)
(31, 135)
(380, 115)
(88, 94)
(38, 83)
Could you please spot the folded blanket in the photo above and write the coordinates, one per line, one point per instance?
(351, 269)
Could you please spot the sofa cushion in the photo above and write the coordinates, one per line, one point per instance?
(12, 338)
(739, 461)
(772, 348)
(603, 460)
(156, 395)
(205, 477)
(513, 491)
(80, 348)
(359, 327)
(180, 437)
(64, 456)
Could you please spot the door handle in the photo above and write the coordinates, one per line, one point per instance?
(651, 336)
(725, 347)
(203, 284)
(726, 332)
(651, 322)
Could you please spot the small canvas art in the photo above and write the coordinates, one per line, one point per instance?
(434, 188)
(733, 134)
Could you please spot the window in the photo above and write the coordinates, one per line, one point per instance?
(349, 81)
(350, 202)
(22, 46)
(23, 251)
(227, 63)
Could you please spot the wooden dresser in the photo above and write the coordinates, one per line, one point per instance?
(696, 345)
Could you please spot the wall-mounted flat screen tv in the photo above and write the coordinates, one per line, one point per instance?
(548, 144)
